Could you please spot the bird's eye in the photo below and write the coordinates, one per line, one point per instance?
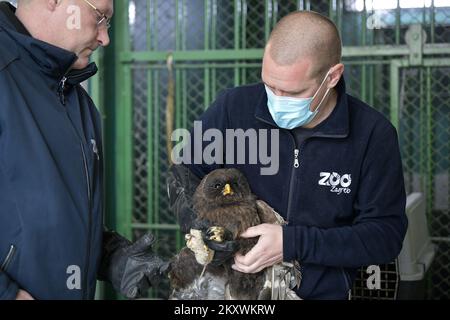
(217, 186)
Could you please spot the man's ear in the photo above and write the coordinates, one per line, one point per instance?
(335, 75)
(53, 4)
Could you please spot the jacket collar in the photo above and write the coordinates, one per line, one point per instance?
(335, 126)
(51, 60)
(8, 11)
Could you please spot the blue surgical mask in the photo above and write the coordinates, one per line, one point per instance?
(290, 113)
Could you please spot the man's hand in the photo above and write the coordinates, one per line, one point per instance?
(23, 295)
(131, 267)
(267, 252)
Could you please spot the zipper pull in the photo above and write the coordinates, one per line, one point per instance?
(95, 149)
(296, 162)
(8, 258)
(62, 86)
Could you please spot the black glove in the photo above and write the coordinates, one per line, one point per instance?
(224, 249)
(131, 268)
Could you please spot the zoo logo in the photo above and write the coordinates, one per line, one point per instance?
(337, 183)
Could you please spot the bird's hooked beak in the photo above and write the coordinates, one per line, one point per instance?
(227, 190)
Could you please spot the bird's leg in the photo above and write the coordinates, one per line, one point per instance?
(216, 233)
(203, 271)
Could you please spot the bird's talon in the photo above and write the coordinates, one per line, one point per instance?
(216, 233)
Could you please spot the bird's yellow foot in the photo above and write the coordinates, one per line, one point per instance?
(216, 233)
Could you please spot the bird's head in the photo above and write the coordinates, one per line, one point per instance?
(227, 185)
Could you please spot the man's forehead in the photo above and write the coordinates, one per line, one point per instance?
(292, 77)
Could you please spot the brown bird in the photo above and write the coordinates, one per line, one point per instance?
(224, 199)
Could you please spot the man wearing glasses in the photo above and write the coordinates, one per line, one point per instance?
(52, 241)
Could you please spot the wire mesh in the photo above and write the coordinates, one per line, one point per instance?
(389, 282)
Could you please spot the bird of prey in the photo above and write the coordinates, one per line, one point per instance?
(224, 199)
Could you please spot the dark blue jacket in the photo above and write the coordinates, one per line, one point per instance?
(330, 233)
(50, 171)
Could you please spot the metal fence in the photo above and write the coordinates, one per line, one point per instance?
(216, 44)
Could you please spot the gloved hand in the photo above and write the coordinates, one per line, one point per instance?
(131, 268)
(218, 239)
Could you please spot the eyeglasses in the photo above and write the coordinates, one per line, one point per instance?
(101, 17)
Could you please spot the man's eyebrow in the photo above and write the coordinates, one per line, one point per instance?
(293, 93)
(106, 11)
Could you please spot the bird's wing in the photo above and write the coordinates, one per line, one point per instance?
(267, 214)
(283, 277)
(279, 283)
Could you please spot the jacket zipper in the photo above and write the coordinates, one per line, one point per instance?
(291, 191)
(296, 160)
(295, 166)
(61, 88)
(8, 258)
(85, 292)
(62, 85)
(88, 251)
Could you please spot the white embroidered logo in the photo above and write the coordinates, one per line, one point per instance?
(337, 183)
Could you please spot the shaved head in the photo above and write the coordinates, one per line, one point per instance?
(305, 35)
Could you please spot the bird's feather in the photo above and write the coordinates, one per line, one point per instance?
(224, 198)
